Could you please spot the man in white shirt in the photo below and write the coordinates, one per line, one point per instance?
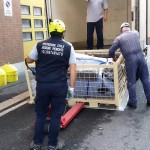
(97, 11)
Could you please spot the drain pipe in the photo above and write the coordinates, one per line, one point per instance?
(48, 9)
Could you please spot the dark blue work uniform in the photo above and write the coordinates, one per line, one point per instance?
(51, 71)
(136, 65)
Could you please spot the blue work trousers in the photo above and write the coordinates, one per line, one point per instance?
(99, 31)
(54, 95)
(136, 68)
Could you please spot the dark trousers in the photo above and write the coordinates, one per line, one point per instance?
(99, 31)
(54, 95)
(136, 67)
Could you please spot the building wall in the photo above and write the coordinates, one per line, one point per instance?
(119, 12)
(73, 13)
(11, 48)
(140, 10)
(142, 23)
(28, 44)
(148, 25)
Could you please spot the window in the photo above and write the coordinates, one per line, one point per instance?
(38, 23)
(25, 10)
(39, 35)
(26, 23)
(37, 11)
(27, 36)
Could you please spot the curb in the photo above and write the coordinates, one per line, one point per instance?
(14, 101)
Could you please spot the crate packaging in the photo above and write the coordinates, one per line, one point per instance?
(107, 92)
(99, 86)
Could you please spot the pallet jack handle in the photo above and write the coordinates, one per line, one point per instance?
(32, 70)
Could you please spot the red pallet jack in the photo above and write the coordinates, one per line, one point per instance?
(69, 115)
(66, 118)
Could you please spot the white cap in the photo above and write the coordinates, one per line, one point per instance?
(125, 24)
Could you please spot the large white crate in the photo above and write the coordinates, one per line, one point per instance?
(114, 94)
(98, 86)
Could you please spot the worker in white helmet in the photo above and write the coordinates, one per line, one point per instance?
(136, 66)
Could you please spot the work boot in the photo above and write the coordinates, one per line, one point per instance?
(52, 148)
(148, 103)
(131, 105)
(35, 146)
(59, 146)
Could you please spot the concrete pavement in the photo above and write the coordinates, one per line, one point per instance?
(91, 129)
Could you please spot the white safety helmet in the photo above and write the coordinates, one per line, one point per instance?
(125, 24)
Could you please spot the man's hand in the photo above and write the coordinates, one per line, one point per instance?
(72, 81)
(115, 59)
(105, 18)
(70, 93)
(105, 15)
(29, 60)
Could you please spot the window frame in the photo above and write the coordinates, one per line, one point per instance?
(40, 32)
(29, 9)
(39, 20)
(34, 12)
(29, 22)
(31, 37)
